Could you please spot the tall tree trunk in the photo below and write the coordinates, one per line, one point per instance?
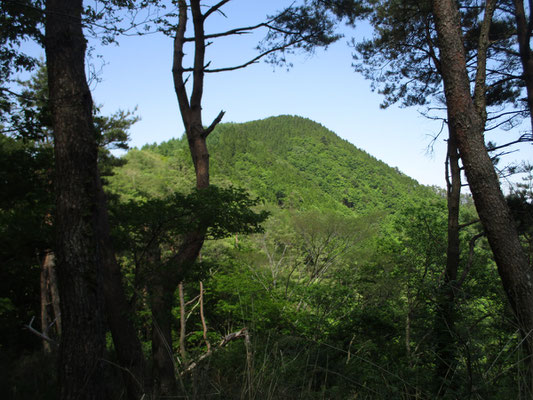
(119, 313)
(446, 308)
(79, 259)
(162, 288)
(163, 357)
(187, 254)
(183, 326)
(524, 30)
(484, 185)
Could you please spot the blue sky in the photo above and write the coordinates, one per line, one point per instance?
(322, 87)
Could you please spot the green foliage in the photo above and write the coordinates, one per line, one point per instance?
(6, 305)
(520, 202)
(402, 50)
(304, 27)
(147, 175)
(338, 288)
(28, 375)
(30, 119)
(19, 21)
(403, 62)
(343, 283)
(220, 211)
(25, 232)
(272, 158)
(27, 217)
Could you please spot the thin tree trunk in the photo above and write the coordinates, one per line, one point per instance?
(202, 317)
(445, 361)
(119, 314)
(50, 265)
(191, 113)
(524, 29)
(45, 301)
(183, 325)
(164, 367)
(161, 288)
(79, 260)
(50, 305)
(483, 181)
(249, 366)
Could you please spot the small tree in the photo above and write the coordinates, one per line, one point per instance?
(294, 27)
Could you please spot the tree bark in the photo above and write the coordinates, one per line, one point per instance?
(79, 259)
(484, 185)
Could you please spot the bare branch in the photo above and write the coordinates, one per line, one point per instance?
(513, 113)
(506, 78)
(215, 122)
(216, 7)
(42, 335)
(243, 333)
(255, 59)
(526, 137)
(199, 56)
(202, 318)
(177, 67)
(503, 153)
(235, 31)
(510, 122)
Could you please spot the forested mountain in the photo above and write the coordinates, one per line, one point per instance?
(289, 264)
(335, 294)
(289, 161)
(344, 278)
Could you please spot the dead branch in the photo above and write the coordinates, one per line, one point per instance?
(235, 31)
(42, 335)
(202, 317)
(255, 59)
(241, 30)
(243, 333)
(526, 137)
(215, 122)
(215, 8)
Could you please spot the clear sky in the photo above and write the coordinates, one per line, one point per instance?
(322, 87)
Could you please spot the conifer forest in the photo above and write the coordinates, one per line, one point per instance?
(270, 259)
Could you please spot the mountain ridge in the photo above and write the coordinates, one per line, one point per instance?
(294, 162)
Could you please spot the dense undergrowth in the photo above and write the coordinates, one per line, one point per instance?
(335, 299)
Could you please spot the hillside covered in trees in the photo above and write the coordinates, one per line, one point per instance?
(289, 161)
(335, 295)
(269, 259)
